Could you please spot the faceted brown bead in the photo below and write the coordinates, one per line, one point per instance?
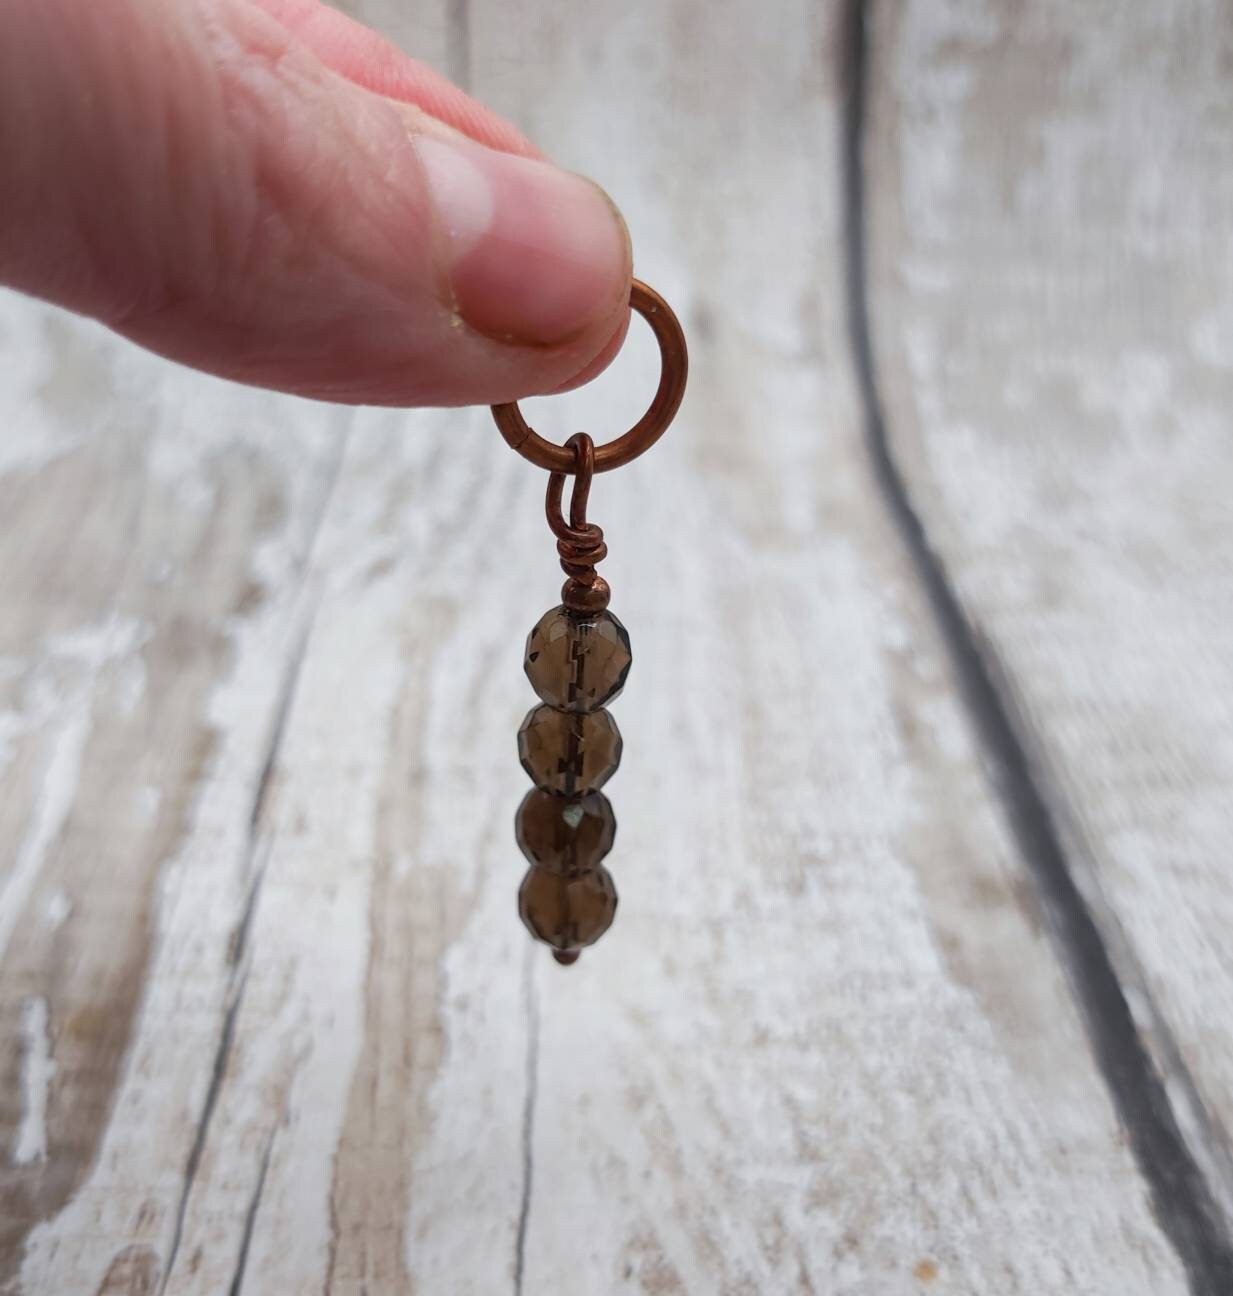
(567, 912)
(569, 753)
(565, 834)
(576, 661)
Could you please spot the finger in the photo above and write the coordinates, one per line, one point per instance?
(601, 362)
(197, 177)
(361, 55)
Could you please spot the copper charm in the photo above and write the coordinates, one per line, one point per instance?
(577, 659)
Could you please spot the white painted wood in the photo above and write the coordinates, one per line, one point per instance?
(156, 527)
(825, 1046)
(831, 1039)
(1053, 253)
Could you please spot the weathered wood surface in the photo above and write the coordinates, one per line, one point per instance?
(1053, 259)
(271, 1023)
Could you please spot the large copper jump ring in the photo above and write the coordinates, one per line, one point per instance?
(648, 429)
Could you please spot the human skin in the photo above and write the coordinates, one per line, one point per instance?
(269, 191)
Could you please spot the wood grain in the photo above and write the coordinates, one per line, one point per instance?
(271, 1022)
(821, 838)
(157, 525)
(1053, 265)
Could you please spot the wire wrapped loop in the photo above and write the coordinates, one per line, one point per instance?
(580, 544)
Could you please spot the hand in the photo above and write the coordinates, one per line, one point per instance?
(269, 191)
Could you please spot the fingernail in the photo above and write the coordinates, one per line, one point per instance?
(534, 255)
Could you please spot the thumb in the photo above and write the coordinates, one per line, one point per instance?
(203, 179)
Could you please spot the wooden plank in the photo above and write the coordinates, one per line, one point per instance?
(221, 488)
(1054, 258)
(826, 1046)
(835, 1039)
(157, 524)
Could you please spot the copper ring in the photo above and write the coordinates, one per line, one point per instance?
(648, 429)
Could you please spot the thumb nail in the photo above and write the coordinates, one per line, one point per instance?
(534, 254)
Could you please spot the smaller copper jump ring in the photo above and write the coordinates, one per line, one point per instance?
(578, 532)
(648, 429)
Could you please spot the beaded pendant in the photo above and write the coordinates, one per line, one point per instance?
(577, 659)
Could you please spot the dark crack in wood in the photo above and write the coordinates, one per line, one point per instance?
(250, 1219)
(531, 1004)
(222, 1055)
(255, 858)
(1181, 1197)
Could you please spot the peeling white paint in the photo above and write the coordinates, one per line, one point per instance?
(130, 684)
(59, 906)
(52, 804)
(29, 365)
(37, 1070)
(149, 799)
(64, 712)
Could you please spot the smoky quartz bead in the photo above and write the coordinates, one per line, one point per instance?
(567, 912)
(567, 752)
(576, 661)
(565, 834)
